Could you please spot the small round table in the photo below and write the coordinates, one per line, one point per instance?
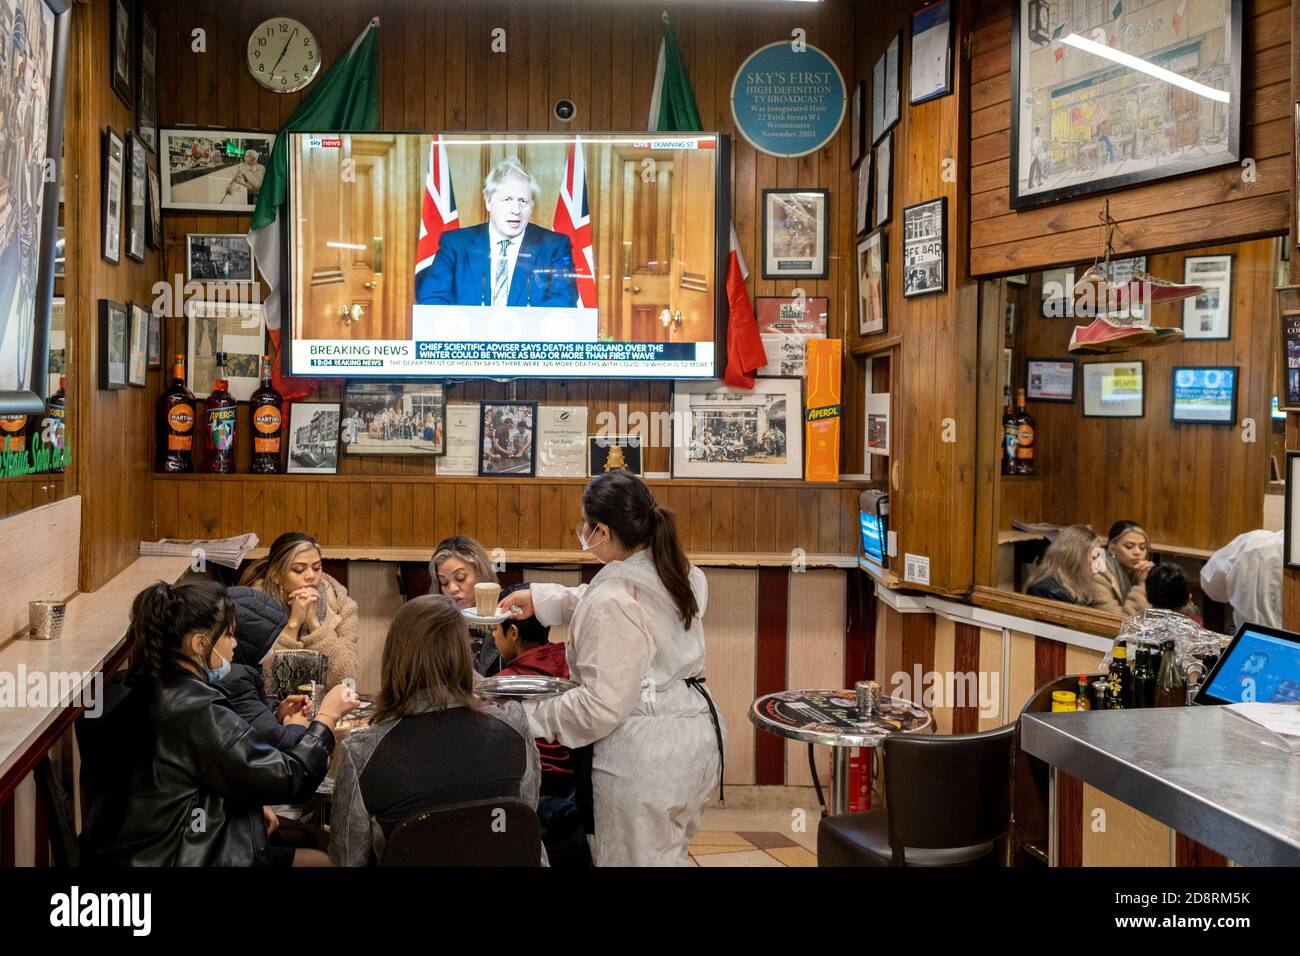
(830, 718)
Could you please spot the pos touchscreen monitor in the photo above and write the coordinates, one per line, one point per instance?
(1261, 665)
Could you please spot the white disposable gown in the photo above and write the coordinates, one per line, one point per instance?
(655, 761)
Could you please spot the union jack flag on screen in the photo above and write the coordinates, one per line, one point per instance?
(438, 213)
(573, 219)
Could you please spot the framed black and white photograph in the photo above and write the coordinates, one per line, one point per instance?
(313, 438)
(507, 439)
(1204, 395)
(58, 344)
(872, 259)
(886, 83)
(120, 52)
(111, 198)
(138, 361)
(154, 340)
(136, 202)
(863, 219)
(1009, 320)
(153, 222)
(610, 452)
(786, 325)
(1291, 523)
(884, 179)
(1049, 380)
(1289, 352)
(114, 344)
(1057, 294)
(213, 170)
(1113, 390)
(60, 253)
(931, 73)
(146, 93)
(1108, 95)
(796, 233)
(925, 248)
(218, 257)
(738, 433)
(237, 329)
(857, 123)
(394, 419)
(1208, 315)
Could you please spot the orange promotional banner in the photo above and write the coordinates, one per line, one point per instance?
(822, 411)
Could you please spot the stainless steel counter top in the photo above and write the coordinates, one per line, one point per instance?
(1206, 773)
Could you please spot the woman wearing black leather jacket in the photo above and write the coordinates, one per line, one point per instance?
(177, 777)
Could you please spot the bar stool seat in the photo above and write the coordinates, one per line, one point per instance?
(862, 839)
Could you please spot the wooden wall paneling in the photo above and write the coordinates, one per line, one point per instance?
(1069, 820)
(1291, 579)
(1021, 678)
(772, 652)
(730, 633)
(373, 585)
(945, 663)
(815, 658)
(47, 573)
(966, 661)
(992, 644)
(1129, 837)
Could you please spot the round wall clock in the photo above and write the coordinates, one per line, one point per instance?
(283, 55)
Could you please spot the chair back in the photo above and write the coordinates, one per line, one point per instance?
(948, 791)
(502, 832)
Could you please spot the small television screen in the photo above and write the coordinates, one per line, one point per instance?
(874, 533)
(1261, 665)
(1205, 395)
(506, 255)
(1278, 414)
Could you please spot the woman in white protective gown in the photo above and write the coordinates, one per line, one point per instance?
(636, 649)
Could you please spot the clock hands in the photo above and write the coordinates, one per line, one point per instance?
(285, 50)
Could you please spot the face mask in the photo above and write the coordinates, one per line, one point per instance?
(1098, 561)
(215, 675)
(584, 542)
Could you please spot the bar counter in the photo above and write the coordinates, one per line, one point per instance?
(1206, 773)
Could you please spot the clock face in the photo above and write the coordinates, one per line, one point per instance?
(283, 55)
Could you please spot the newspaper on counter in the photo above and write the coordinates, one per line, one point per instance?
(228, 552)
(1282, 721)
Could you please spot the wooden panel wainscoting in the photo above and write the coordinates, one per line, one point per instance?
(1217, 205)
(30, 491)
(771, 669)
(815, 636)
(967, 660)
(1069, 819)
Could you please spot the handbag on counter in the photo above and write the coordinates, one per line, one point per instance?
(291, 669)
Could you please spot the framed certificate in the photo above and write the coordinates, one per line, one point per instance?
(562, 441)
(1113, 390)
(1049, 380)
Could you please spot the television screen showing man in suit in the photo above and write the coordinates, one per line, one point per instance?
(537, 254)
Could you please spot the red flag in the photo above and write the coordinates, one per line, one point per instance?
(290, 387)
(745, 352)
(573, 219)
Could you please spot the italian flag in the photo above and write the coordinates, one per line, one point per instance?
(346, 99)
(673, 109)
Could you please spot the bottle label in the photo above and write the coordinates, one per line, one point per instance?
(221, 426)
(267, 421)
(180, 419)
(1025, 442)
(13, 435)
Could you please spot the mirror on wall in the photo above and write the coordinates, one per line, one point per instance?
(1149, 455)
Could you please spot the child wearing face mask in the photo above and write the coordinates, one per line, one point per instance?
(173, 751)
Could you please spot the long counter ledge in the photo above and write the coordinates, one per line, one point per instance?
(704, 559)
(1209, 775)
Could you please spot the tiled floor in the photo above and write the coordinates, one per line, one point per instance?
(755, 838)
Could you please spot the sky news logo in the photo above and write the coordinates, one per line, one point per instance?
(326, 142)
(76, 909)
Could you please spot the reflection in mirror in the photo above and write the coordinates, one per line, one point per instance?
(1122, 472)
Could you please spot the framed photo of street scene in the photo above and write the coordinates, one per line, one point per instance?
(738, 433)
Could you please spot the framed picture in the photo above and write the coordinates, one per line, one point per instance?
(58, 344)
(857, 124)
(872, 301)
(506, 438)
(1009, 320)
(230, 327)
(114, 344)
(313, 438)
(1291, 524)
(218, 257)
(1058, 294)
(886, 81)
(394, 419)
(1208, 315)
(609, 452)
(1204, 395)
(925, 248)
(786, 325)
(1008, 362)
(737, 433)
(155, 340)
(1083, 118)
(796, 233)
(213, 170)
(884, 179)
(931, 74)
(153, 222)
(120, 58)
(146, 87)
(1113, 390)
(139, 358)
(136, 203)
(864, 195)
(60, 253)
(111, 200)
(1289, 308)
(1049, 380)
(562, 442)
(877, 438)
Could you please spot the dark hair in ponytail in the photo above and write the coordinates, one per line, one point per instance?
(163, 615)
(622, 501)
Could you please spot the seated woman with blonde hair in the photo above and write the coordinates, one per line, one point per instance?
(1119, 585)
(1065, 572)
(322, 617)
(459, 563)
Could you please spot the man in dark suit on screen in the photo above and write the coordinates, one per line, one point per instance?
(506, 261)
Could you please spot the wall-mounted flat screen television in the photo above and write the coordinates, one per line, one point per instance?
(507, 255)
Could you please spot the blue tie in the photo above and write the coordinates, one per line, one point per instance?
(500, 279)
